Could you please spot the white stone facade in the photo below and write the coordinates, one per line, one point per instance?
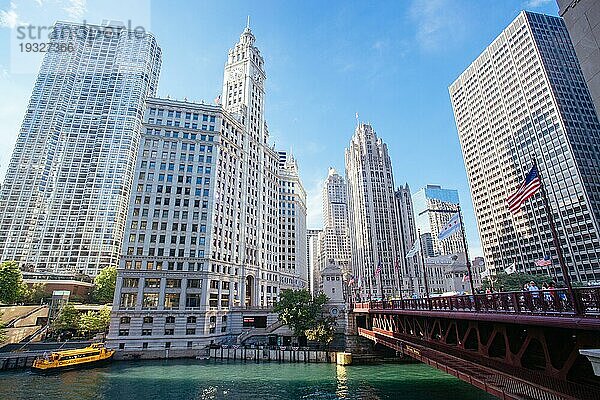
(375, 236)
(293, 259)
(335, 239)
(200, 258)
(313, 253)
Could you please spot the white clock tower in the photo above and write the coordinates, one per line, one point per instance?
(244, 84)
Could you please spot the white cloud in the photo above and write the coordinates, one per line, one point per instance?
(438, 23)
(536, 3)
(10, 18)
(76, 8)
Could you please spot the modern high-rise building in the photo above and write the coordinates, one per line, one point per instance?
(64, 200)
(411, 269)
(335, 244)
(582, 18)
(433, 209)
(292, 222)
(376, 241)
(524, 99)
(201, 255)
(313, 252)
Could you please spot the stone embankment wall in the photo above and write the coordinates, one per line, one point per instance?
(288, 355)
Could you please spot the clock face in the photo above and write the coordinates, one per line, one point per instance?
(334, 312)
(236, 73)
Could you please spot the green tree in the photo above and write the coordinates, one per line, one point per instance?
(11, 280)
(94, 321)
(303, 313)
(104, 285)
(67, 320)
(37, 293)
(323, 332)
(515, 281)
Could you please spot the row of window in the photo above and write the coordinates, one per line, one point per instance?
(178, 114)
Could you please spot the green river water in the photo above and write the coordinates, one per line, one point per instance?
(195, 379)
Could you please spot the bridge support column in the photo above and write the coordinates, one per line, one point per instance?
(594, 357)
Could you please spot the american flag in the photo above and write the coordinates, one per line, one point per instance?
(351, 281)
(378, 269)
(527, 189)
(543, 262)
(397, 263)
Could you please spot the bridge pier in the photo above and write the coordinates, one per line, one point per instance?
(594, 357)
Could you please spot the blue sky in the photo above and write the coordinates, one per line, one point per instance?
(390, 61)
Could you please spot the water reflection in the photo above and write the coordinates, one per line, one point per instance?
(341, 390)
(193, 379)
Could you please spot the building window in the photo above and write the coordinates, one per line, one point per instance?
(128, 300)
(130, 282)
(194, 283)
(145, 345)
(213, 300)
(148, 320)
(121, 346)
(167, 345)
(192, 301)
(173, 283)
(146, 332)
(169, 331)
(152, 282)
(171, 300)
(190, 331)
(150, 300)
(191, 320)
(170, 319)
(123, 332)
(125, 320)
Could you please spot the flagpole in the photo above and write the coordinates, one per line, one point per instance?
(556, 241)
(399, 275)
(425, 280)
(380, 282)
(464, 238)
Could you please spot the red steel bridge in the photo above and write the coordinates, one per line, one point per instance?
(514, 345)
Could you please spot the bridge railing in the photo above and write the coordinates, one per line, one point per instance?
(539, 302)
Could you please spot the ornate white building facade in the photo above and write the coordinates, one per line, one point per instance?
(335, 239)
(375, 234)
(201, 257)
(293, 257)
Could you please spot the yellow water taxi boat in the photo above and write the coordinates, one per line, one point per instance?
(92, 355)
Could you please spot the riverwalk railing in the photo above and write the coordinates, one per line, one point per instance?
(551, 302)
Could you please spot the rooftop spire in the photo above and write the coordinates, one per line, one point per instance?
(247, 36)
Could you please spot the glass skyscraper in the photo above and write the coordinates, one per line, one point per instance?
(524, 99)
(433, 207)
(65, 196)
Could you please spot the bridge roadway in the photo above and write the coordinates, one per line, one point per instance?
(514, 345)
